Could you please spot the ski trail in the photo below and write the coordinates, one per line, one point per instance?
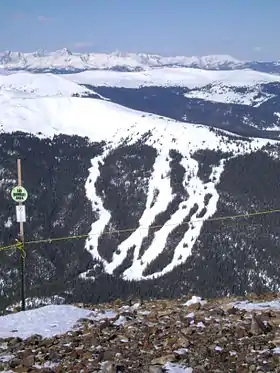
(157, 182)
(98, 226)
(181, 253)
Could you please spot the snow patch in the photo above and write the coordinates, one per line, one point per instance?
(218, 349)
(8, 223)
(47, 321)
(177, 368)
(6, 358)
(251, 306)
(194, 300)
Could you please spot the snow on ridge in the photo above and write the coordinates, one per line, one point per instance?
(25, 84)
(64, 115)
(221, 93)
(183, 77)
(97, 119)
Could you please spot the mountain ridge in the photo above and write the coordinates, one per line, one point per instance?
(65, 60)
(244, 103)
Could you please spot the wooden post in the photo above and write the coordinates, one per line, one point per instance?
(21, 235)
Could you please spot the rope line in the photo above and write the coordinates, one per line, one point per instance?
(55, 239)
(18, 245)
(125, 230)
(22, 251)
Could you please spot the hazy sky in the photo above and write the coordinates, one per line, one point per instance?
(246, 29)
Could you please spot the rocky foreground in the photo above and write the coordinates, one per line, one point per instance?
(196, 336)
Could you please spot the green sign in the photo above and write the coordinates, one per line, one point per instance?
(19, 194)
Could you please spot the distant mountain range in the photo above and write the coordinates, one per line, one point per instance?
(65, 60)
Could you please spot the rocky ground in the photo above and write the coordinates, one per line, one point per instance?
(158, 336)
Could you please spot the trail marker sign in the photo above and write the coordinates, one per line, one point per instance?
(21, 214)
(19, 194)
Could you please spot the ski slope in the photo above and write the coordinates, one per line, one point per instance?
(104, 121)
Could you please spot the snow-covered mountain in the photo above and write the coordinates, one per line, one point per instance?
(142, 186)
(64, 60)
(246, 102)
(39, 85)
(171, 77)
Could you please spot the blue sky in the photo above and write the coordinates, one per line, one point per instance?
(246, 29)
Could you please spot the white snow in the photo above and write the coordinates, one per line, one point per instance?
(161, 167)
(8, 223)
(253, 96)
(47, 321)
(197, 191)
(104, 215)
(194, 300)
(181, 351)
(177, 368)
(46, 364)
(190, 315)
(120, 321)
(182, 77)
(28, 85)
(273, 128)
(6, 358)
(251, 306)
(3, 71)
